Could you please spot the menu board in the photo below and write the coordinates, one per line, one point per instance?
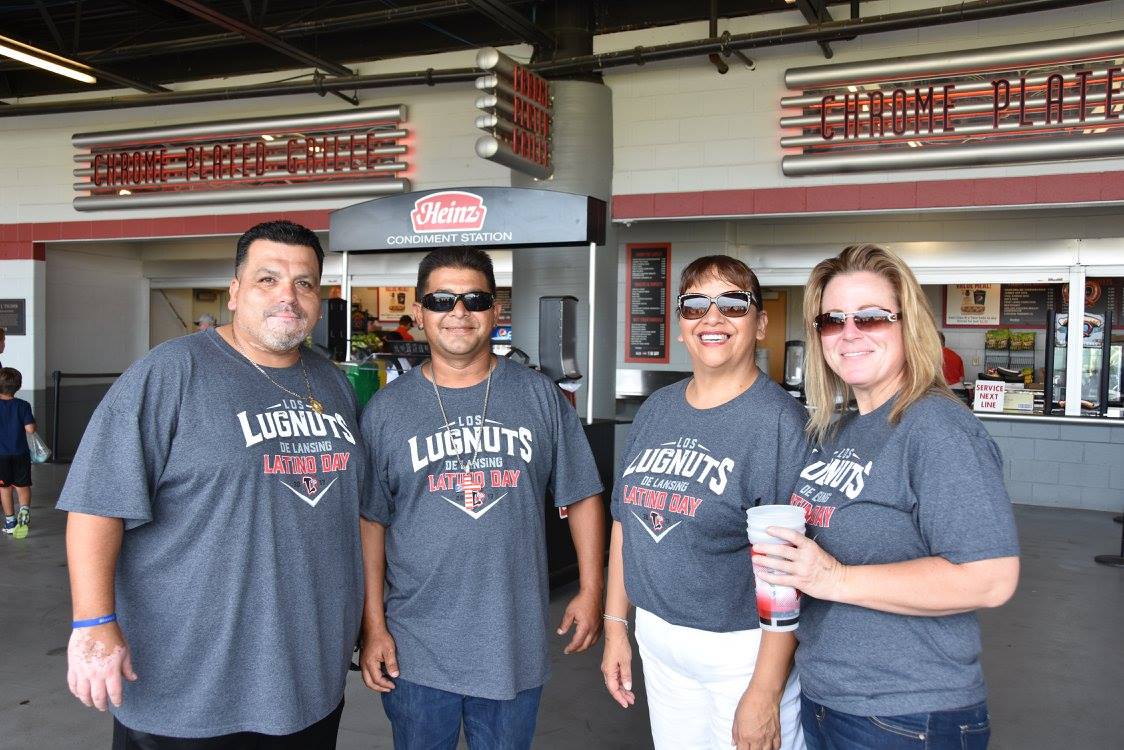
(394, 302)
(13, 316)
(1102, 295)
(971, 305)
(1025, 305)
(649, 303)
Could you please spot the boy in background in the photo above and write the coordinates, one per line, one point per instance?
(16, 422)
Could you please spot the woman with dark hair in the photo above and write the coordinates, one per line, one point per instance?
(699, 453)
(910, 527)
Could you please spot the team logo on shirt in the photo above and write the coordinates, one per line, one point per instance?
(684, 459)
(315, 496)
(845, 472)
(663, 481)
(304, 441)
(653, 529)
(470, 456)
(466, 436)
(473, 499)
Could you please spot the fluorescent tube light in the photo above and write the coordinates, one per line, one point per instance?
(25, 53)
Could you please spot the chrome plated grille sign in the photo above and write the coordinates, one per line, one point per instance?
(1044, 101)
(342, 154)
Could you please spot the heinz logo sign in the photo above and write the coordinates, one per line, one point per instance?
(449, 210)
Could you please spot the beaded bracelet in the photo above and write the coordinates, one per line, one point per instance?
(614, 618)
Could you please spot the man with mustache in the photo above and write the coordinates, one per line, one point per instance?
(213, 538)
(465, 453)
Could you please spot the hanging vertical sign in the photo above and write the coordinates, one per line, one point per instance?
(648, 292)
(517, 105)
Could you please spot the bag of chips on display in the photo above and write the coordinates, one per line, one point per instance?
(997, 338)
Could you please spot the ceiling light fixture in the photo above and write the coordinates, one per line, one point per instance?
(25, 53)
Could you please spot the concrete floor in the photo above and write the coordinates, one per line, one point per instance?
(1053, 656)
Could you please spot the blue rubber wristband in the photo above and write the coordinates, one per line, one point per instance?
(112, 617)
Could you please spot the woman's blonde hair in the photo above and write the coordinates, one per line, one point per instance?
(922, 373)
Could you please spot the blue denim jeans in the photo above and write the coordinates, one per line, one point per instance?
(967, 728)
(425, 718)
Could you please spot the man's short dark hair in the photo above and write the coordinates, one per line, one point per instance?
(405, 320)
(10, 381)
(283, 231)
(471, 258)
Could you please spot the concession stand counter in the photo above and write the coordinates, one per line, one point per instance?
(488, 218)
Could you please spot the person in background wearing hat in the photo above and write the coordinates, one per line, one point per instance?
(405, 323)
(206, 322)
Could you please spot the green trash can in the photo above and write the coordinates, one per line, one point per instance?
(364, 380)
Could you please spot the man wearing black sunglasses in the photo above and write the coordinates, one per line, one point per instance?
(464, 450)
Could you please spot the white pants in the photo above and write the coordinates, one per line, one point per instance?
(694, 680)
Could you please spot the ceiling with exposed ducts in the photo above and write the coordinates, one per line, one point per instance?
(145, 45)
(139, 53)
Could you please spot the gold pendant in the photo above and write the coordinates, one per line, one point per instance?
(316, 405)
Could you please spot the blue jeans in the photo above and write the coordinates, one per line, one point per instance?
(425, 718)
(966, 728)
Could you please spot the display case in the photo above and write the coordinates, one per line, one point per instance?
(1101, 357)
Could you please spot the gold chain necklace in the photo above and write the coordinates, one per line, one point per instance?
(312, 401)
(464, 466)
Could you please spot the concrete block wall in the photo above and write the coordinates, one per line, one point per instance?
(1063, 465)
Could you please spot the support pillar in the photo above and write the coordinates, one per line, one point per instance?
(583, 163)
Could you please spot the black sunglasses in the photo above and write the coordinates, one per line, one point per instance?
(443, 302)
(871, 319)
(734, 304)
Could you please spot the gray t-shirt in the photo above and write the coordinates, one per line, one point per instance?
(930, 486)
(686, 478)
(239, 583)
(466, 596)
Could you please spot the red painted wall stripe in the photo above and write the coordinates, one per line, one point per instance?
(22, 251)
(127, 229)
(1089, 187)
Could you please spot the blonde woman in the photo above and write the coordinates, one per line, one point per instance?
(698, 454)
(910, 528)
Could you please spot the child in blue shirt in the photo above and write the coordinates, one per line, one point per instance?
(16, 422)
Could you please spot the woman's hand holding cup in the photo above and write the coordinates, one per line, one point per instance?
(801, 563)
